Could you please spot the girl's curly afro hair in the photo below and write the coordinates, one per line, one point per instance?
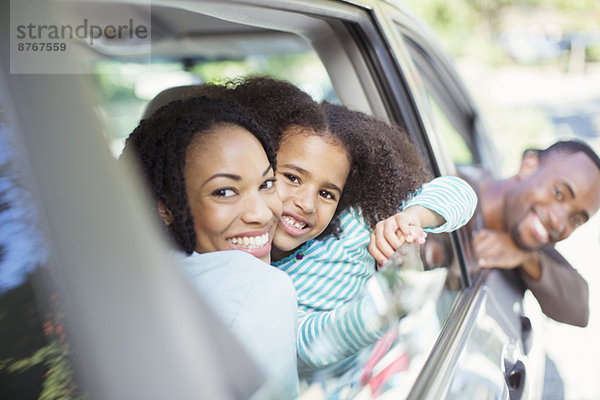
(278, 103)
(159, 144)
(385, 166)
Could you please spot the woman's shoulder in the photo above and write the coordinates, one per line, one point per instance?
(233, 265)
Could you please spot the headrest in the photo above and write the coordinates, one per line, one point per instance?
(167, 96)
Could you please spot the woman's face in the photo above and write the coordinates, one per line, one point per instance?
(311, 174)
(231, 192)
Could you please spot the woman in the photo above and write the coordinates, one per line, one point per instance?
(210, 165)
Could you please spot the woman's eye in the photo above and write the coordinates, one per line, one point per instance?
(292, 178)
(327, 195)
(224, 193)
(268, 184)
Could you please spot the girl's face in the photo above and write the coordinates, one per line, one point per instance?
(231, 192)
(311, 174)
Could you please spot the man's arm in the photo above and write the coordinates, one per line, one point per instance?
(558, 287)
(563, 294)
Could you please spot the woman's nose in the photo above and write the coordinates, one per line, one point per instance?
(257, 211)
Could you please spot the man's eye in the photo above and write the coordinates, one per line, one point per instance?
(558, 194)
(268, 184)
(224, 193)
(292, 178)
(577, 220)
(327, 195)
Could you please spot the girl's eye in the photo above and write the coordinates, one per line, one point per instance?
(292, 178)
(558, 194)
(224, 193)
(268, 184)
(327, 195)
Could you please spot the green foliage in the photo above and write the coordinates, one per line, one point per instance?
(58, 382)
(34, 357)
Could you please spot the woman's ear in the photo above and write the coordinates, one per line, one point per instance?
(530, 162)
(164, 213)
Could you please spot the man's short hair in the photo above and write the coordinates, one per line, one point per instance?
(567, 147)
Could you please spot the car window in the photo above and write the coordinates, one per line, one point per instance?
(449, 118)
(126, 87)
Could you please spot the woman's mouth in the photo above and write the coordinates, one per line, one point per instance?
(257, 245)
(293, 226)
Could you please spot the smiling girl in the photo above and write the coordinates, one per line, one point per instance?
(210, 166)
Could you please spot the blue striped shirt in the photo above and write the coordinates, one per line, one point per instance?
(333, 272)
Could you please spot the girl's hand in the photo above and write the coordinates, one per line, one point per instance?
(392, 232)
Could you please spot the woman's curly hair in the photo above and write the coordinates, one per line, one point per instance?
(160, 142)
(385, 166)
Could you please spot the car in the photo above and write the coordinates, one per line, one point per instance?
(90, 301)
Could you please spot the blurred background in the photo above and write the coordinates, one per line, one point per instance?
(533, 67)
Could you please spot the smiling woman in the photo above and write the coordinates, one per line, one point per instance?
(211, 167)
(231, 192)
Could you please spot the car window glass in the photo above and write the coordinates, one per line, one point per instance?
(456, 146)
(448, 118)
(34, 346)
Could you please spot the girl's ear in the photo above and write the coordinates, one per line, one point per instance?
(529, 163)
(164, 213)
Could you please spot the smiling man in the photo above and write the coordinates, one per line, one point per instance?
(520, 219)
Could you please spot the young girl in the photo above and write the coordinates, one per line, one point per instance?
(339, 172)
(210, 166)
(330, 272)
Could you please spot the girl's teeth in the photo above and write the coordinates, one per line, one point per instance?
(293, 222)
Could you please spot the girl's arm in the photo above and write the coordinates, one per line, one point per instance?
(442, 205)
(451, 197)
(326, 337)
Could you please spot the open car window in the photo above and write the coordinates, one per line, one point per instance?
(299, 52)
(394, 362)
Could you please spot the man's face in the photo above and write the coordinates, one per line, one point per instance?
(551, 199)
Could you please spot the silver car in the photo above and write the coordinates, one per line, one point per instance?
(90, 303)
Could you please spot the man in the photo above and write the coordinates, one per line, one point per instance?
(520, 219)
